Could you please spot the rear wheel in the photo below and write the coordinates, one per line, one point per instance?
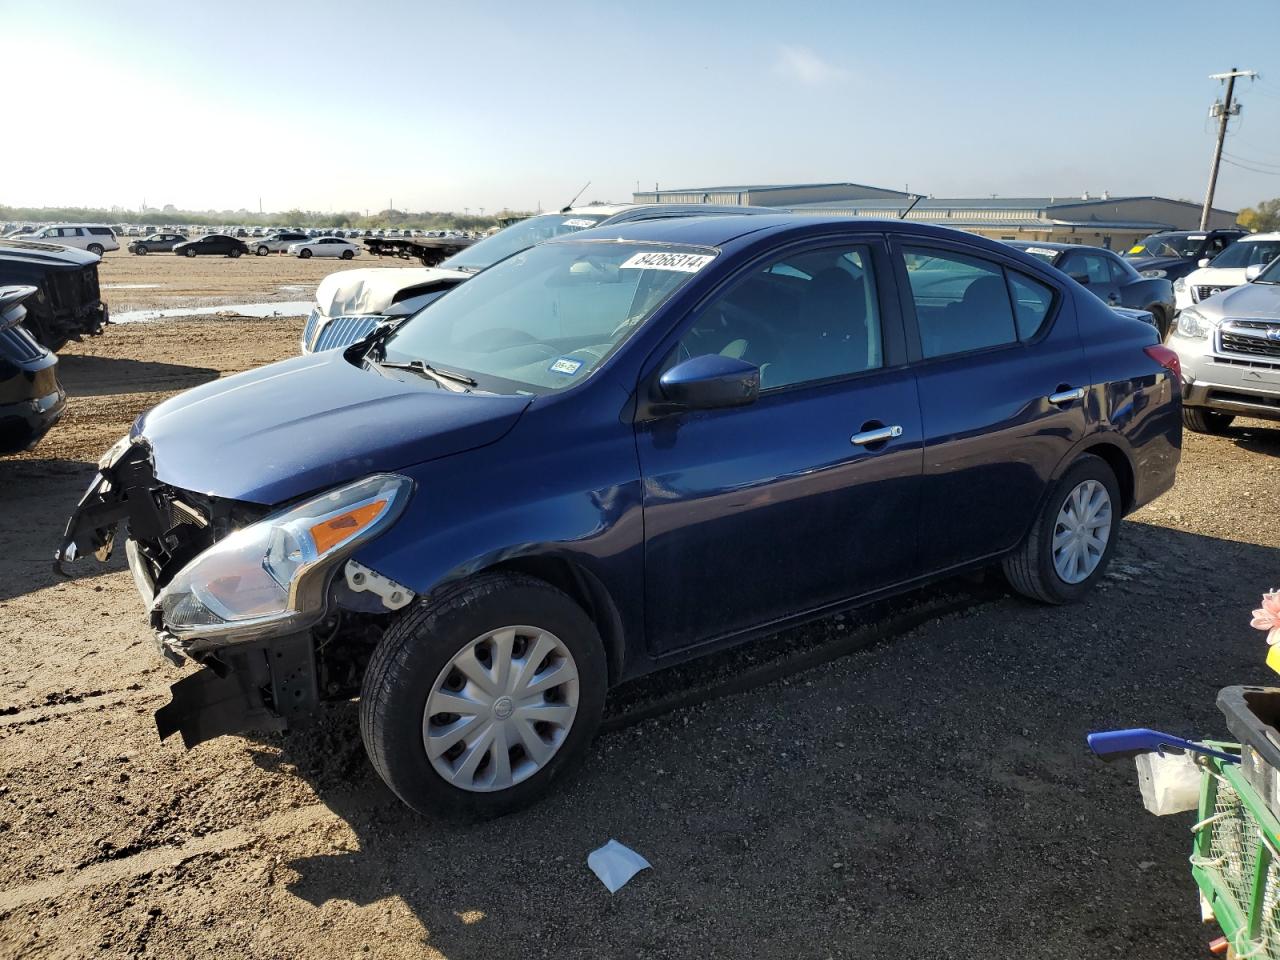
(476, 701)
(1202, 420)
(304, 253)
(96, 248)
(1070, 545)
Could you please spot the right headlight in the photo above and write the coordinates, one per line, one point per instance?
(1180, 284)
(269, 577)
(1193, 324)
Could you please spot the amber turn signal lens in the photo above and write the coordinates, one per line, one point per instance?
(333, 531)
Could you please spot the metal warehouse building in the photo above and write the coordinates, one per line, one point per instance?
(1105, 221)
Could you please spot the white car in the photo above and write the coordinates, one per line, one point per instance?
(1227, 269)
(326, 247)
(95, 237)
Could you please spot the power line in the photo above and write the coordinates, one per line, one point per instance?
(1271, 173)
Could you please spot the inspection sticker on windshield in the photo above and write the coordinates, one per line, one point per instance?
(566, 365)
(1040, 251)
(681, 262)
(578, 222)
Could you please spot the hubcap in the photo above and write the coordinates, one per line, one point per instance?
(501, 708)
(1081, 532)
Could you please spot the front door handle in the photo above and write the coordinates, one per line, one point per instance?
(1066, 396)
(878, 435)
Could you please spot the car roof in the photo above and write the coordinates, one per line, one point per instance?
(1057, 245)
(1259, 236)
(713, 231)
(37, 251)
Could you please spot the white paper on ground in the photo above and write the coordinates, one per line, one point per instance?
(615, 864)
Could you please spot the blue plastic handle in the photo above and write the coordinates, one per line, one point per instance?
(1112, 744)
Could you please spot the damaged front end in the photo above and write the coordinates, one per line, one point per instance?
(266, 599)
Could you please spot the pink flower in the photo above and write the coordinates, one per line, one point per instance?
(1267, 617)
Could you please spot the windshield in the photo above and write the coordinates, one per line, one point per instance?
(544, 319)
(1167, 245)
(520, 236)
(1245, 253)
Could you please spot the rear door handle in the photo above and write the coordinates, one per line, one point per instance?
(878, 435)
(1066, 396)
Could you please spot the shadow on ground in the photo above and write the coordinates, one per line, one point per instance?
(929, 796)
(85, 376)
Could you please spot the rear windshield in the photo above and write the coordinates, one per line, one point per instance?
(1246, 253)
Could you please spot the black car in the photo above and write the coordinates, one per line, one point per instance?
(31, 398)
(1175, 253)
(67, 304)
(215, 243)
(157, 243)
(1110, 278)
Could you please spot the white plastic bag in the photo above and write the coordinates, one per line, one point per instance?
(1169, 783)
(615, 864)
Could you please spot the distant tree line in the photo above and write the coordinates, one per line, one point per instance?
(288, 218)
(1263, 218)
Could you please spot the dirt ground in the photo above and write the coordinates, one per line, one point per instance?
(928, 795)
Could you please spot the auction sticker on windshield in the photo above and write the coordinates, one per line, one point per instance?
(578, 222)
(682, 262)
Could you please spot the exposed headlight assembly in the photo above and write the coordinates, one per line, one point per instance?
(1180, 284)
(1193, 324)
(270, 577)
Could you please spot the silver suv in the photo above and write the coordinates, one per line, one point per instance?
(1229, 346)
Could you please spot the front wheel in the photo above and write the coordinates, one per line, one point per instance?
(234, 253)
(478, 700)
(190, 251)
(1200, 420)
(140, 251)
(304, 254)
(1162, 320)
(1071, 542)
(348, 254)
(263, 251)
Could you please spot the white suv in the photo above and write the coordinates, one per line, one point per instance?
(94, 237)
(1227, 269)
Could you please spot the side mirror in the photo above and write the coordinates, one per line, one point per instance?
(1251, 272)
(1080, 278)
(1202, 262)
(711, 382)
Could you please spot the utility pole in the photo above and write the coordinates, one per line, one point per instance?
(1223, 111)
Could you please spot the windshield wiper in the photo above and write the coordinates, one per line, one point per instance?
(446, 378)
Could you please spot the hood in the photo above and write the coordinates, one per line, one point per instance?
(43, 252)
(354, 293)
(290, 428)
(1157, 263)
(1216, 276)
(1248, 301)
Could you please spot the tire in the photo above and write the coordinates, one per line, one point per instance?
(1031, 569)
(1202, 420)
(413, 663)
(96, 248)
(1161, 319)
(348, 254)
(304, 254)
(234, 253)
(262, 251)
(140, 250)
(190, 251)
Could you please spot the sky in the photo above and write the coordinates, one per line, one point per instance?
(351, 105)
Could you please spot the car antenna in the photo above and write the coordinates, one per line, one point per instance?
(569, 206)
(915, 198)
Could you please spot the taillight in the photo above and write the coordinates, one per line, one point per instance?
(1166, 358)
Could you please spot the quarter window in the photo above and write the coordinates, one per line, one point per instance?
(1031, 302)
(961, 302)
(805, 317)
(1092, 268)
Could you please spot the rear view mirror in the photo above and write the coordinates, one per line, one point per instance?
(1251, 272)
(1202, 262)
(711, 382)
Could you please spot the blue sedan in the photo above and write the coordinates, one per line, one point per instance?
(613, 452)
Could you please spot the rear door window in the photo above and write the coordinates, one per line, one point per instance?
(962, 303)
